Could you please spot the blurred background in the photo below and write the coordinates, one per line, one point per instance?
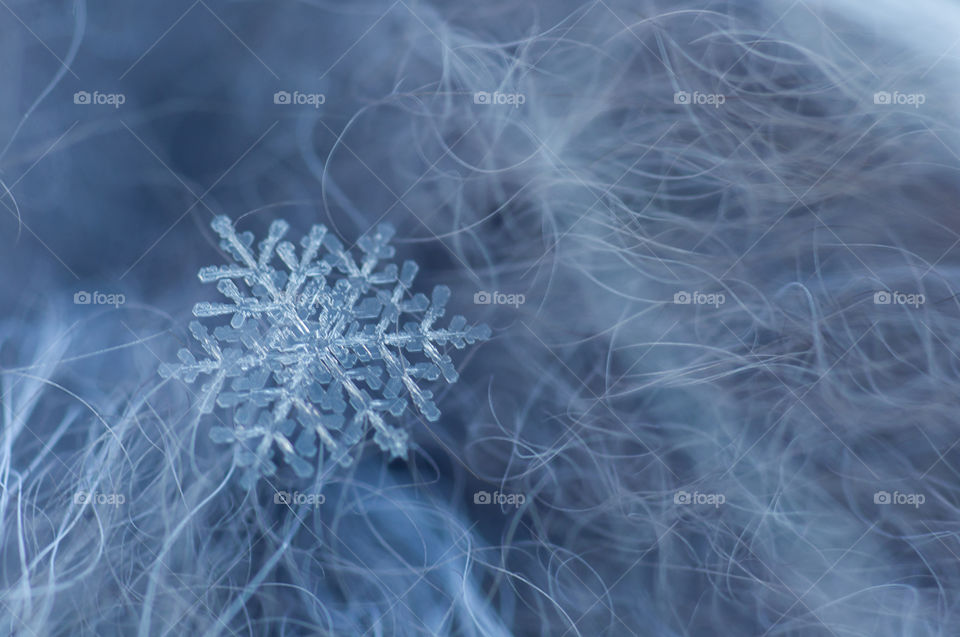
(722, 395)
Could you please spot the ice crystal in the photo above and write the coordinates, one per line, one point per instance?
(307, 345)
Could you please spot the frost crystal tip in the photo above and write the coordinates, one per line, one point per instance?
(308, 343)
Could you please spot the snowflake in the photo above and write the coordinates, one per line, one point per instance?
(307, 345)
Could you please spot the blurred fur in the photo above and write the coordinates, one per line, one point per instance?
(598, 198)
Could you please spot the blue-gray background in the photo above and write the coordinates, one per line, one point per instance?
(600, 193)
